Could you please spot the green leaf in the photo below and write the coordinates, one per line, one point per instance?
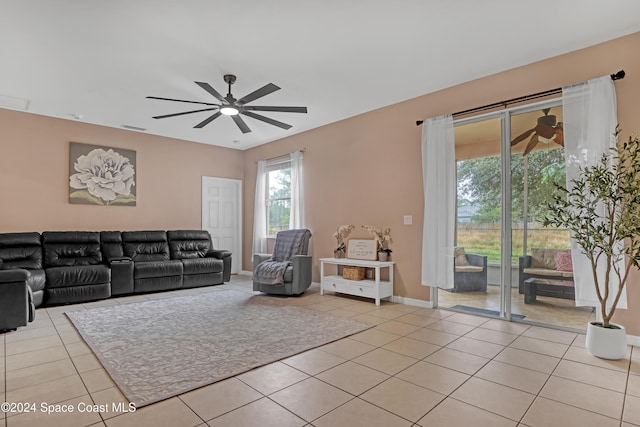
(83, 196)
(124, 200)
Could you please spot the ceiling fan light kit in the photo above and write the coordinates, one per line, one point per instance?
(229, 110)
(232, 107)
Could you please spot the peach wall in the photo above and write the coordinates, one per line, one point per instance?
(367, 169)
(34, 176)
(363, 170)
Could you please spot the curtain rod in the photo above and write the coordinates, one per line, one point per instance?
(302, 150)
(616, 76)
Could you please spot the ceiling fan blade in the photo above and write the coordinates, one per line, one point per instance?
(185, 112)
(263, 91)
(282, 109)
(266, 120)
(207, 120)
(212, 91)
(241, 124)
(180, 100)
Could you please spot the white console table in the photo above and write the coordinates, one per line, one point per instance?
(376, 288)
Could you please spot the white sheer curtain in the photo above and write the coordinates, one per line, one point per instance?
(296, 215)
(439, 179)
(589, 119)
(260, 210)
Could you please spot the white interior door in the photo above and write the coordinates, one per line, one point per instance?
(221, 215)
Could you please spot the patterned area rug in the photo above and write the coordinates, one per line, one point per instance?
(157, 349)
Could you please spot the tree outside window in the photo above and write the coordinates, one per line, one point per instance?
(278, 198)
(480, 202)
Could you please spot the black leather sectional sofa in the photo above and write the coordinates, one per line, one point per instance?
(61, 267)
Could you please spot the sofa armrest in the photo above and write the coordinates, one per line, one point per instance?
(16, 300)
(218, 253)
(121, 275)
(259, 258)
(524, 261)
(225, 256)
(14, 275)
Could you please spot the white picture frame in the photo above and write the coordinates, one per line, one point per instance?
(362, 249)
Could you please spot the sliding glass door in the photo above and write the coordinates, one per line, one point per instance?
(507, 163)
(478, 281)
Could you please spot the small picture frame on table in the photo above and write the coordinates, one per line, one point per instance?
(362, 249)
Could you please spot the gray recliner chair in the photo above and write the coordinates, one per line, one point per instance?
(297, 275)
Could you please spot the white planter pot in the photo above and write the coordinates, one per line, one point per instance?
(607, 343)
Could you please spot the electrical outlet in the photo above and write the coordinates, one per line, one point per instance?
(408, 219)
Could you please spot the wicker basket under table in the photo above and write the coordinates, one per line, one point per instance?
(353, 273)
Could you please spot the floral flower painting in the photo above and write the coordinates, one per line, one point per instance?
(101, 175)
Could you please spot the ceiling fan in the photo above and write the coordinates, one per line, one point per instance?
(232, 107)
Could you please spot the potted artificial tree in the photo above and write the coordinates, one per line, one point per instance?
(602, 212)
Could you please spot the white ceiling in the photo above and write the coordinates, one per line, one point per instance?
(339, 58)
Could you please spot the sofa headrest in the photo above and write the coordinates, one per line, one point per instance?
(188, 235)
(110, 237)
(111, 244)
(144, 236)
(10, 240)
(70, 237)
(20, 250)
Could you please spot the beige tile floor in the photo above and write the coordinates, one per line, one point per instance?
(416, 367)
(547, 310)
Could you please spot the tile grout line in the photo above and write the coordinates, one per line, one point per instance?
(626, 385)
(562, 403)
(74, 365)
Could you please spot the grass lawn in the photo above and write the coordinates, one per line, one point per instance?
(487, 241)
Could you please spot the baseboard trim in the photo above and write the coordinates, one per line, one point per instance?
(411, 301)
(633, 340)
(246, 273)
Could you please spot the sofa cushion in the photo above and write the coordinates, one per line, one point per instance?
(60, 255)
(544, 258)
(547, 272)
(564, 261)
(59, 277)
(145, 246)
(71, 248)
(189, 243)
(143, 270)
(460, 256)
(182, 249)
(202, 265)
